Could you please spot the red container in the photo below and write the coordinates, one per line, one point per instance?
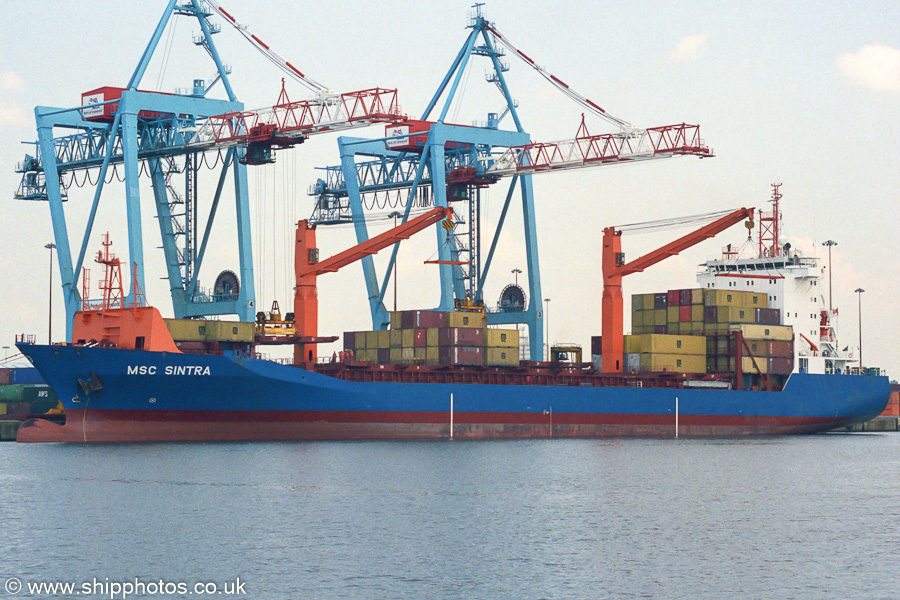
(710, 314)
(17, 411)
(5, 376)
(384, 356)
(349, 340)
(781, 366)
(411, 319)
(684, 313)
(461, 336)
(780, 349)
(461, 355)
(684, 297)
(673, 297)
(420, 337)
(659, 329)
(768, 316)
(660, 301)
(107, 112)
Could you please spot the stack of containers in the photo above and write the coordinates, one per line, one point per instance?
(648, 313)
(771, 345)
(725, 307)
(436, 338)
(655, 352)
(684, 314)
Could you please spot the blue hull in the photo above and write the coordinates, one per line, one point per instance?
(160, 396)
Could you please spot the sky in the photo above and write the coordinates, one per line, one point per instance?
(806, 94)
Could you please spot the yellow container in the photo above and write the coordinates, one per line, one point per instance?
(232, 331)
(736, 314)
(369, 355)
(359, 340)
(2, 408)
(465, 319)
(715, 328)
(187, 330)
(396, 338)
(396, 320)
(697, 312)
(747, 365)
(396, 356)
(633, 344)
(193, 330)
(432, 355)
(637, 318)
(675, 363)
(432, 336)
(637, 302)
(673, 314)
(724, 298)
(502, 338)
(659, 317)
(502, 357)
(756, 300)
(408, 337)
(419, 353)
(697, 296)
(371, 339)
(660, 343)
(782, 333)
(407, 354)
(383, 338)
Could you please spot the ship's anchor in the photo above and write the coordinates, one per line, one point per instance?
(93, 384)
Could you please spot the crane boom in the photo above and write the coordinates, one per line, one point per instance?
(615, 268)
(595, 150)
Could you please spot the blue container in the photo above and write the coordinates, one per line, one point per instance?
(27, 377)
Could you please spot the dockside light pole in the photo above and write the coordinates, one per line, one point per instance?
(395, 214)
(829, 243)
(547, 326)
(859, 293)
(51, 246)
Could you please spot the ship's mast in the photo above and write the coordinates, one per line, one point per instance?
(770, 226)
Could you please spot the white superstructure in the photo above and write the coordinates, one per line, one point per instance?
(795, 285)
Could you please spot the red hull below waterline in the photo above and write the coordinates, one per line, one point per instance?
(202, 426)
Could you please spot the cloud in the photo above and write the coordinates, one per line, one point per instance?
(874, 66)
(689, 48)
(12, 81)
(12, 114)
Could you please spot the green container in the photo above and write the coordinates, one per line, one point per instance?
(637, 302)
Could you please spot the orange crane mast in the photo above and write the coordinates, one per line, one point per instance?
(615, 268)
(307, 268)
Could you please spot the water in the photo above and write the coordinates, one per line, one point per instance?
(793, 517)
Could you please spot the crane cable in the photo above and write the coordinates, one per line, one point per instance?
(586, 103)
(672, 223)
(270, 54)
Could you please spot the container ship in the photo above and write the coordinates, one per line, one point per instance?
(722, 359)
(718, 360)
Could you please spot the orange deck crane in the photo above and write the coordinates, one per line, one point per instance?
(307, 268)
(615, 268)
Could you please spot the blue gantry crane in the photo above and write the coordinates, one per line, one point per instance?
(423, 163)
(168, 138)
